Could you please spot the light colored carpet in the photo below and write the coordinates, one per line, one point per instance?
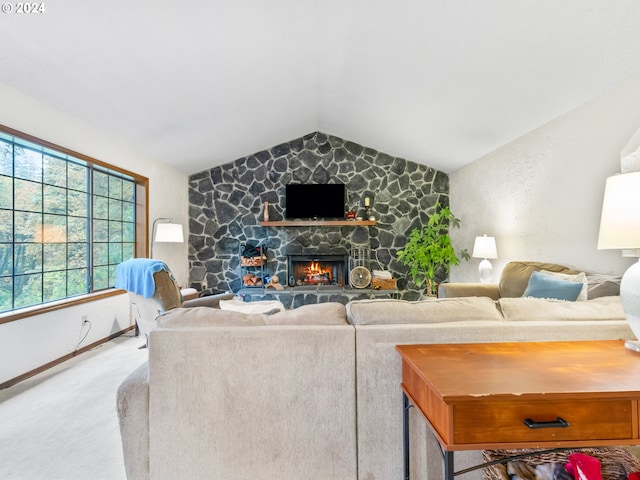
(62, 424)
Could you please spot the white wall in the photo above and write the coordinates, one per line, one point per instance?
(541, 195)
(29, 343)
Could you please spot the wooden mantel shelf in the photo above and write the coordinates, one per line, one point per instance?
(319, 223)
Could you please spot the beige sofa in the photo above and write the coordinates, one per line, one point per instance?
(382, 324)
(515, 278)
(312, 393)
(229, 395)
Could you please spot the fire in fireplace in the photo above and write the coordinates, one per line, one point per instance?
(317, 270)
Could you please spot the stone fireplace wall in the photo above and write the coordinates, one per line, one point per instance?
(227, 202)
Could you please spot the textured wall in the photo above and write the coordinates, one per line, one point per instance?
(227, 202)
(541, 195)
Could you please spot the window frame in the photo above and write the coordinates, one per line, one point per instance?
(141, 227)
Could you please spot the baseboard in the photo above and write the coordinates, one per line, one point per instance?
(58, 361)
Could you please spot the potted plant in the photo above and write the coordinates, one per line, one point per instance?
(429, 252)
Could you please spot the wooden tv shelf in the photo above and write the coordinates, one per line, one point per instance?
(319, 223)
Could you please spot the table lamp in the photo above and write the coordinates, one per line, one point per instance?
(620, 229)
(485, 248)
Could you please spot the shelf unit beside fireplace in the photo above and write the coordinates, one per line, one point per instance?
(319, 223)
(257, 268)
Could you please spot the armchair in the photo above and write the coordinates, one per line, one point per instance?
(153, 290)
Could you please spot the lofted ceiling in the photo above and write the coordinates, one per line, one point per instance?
(199, 83)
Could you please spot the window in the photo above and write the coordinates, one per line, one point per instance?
(66, 222)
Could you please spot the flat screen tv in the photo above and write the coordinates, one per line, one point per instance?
(314, 200)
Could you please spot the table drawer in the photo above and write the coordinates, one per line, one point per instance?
(503, 422)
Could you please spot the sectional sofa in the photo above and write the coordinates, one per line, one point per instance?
(313, 393)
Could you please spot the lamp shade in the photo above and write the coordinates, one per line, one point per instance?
(485, 247)
(620, 229)
(620, 220)
(169, 232)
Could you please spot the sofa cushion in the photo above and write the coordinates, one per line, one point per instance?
(579, 278)
(542, 285)
(601, 285)
(515, 276)
(527, 309)
(331, 313)
(379, 312)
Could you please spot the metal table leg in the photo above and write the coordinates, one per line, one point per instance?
(448, 465)
(406, 405)
(447, 456)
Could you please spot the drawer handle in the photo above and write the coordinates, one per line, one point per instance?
(558, 423)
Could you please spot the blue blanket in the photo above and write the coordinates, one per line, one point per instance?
(136, 275)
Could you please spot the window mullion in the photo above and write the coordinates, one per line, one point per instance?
(90, 246)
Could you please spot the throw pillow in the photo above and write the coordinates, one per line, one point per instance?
(602, 285)
(545, 286)
(580, 277)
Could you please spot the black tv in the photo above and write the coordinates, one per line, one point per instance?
(314, 200)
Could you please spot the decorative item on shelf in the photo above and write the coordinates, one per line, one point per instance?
(620, 229)
(382, 280)
(274, 282)
(165, 232)
(429, 252)
(367, 207)
(485, 247)
(359, 260)
(266, 212)
(360, 277)
(351, 215)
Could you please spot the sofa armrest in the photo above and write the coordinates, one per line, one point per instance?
(133, 414)
(208, 301)
(450, 290)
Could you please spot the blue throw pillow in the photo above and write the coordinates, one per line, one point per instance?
(547, 286)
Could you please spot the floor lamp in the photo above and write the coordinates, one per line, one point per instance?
(166, 232)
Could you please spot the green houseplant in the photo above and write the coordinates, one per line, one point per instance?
(429, 252)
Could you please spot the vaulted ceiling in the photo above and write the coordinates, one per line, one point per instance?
(198, 83)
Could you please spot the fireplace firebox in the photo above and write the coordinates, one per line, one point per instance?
(314, 270)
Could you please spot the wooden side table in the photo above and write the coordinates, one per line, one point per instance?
(522, 395)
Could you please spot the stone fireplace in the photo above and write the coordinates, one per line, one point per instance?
(227, 203)
(314, 270)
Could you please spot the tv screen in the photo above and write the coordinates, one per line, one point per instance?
(317, 200)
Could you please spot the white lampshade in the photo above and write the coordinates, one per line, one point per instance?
(166, 232)
(620, 229)
(620, 220)
(169, 232)
(485, 247)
